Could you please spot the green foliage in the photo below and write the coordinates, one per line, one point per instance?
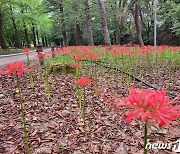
(47, 17)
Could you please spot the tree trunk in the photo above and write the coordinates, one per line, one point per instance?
(88, 23)
(131, 34)
(2, 39)
(34, 34)
(117, 32)
(138, 25)
(26, 35)
(63, 28)
(77, 35)
(43, 41)
(17, 40)
(37, 34)
(105, 31)
(45, 38)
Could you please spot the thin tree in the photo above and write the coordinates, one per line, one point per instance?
(88, 23)
(105, 30)
(17, 40)
(63, 28)
(2, 38)
(138, 25)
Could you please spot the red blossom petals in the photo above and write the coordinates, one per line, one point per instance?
(84, 81)
(16, 68)
(26, 50)
(75, 65)
(78, 57)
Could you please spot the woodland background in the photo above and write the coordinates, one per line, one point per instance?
(87, 22)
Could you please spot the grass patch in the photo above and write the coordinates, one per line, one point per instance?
(9, 51)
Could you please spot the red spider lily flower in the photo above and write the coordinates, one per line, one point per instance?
(75, 65)
(42, 55)
(84, 81)
(16, 68)
(92, 56)
(26, 50)
(150, 104)
(147, 104)
(114, 52)
(78, 57)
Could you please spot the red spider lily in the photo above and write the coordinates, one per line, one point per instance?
(92, 56)
(42, 55)
(26, 50)
(114, 52)
(151, 104)
(78, 57)
(147, 105)
(84, 81)
(75, 65)
(16, 68)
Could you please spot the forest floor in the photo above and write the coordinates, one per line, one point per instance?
(56, 126)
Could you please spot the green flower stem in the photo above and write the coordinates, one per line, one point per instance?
(31, 79)
(46, 81)
(84, 114)
(145, 138)
(92, 74)
(78, 90)
(30, 74)
(23, 116)
(28, 60)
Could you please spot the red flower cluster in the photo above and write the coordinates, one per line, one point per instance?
(26, 50)
(92, 56)
(42, 55)
(78, 57)
(84, 81)
(147, 105)
(16, 68)
(75, 65)
(151, 104)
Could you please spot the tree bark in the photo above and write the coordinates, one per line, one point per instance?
(2, 38)
(88, 23)
(131, 34)
(34, 34)
(77, 34)
(43, 41)
(63, 27)
(138, 25)
(26, 35)
(17, 40)
(105, 30)
(45, 38)
(37, 34)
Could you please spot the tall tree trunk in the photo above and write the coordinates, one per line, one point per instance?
(2, 39)
(17, 40)
(43, 41)
(63, 28)
(26, 35)
(116, 31)
(45, 38)
(77, 34)
(34, 34)
(138, 25)
(25, 32)
(88, 23)
(37, 34)
(131, 34)
(105, 31)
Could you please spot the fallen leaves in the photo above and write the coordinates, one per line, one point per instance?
(57, 126)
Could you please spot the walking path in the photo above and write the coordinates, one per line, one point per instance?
(18, 57)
